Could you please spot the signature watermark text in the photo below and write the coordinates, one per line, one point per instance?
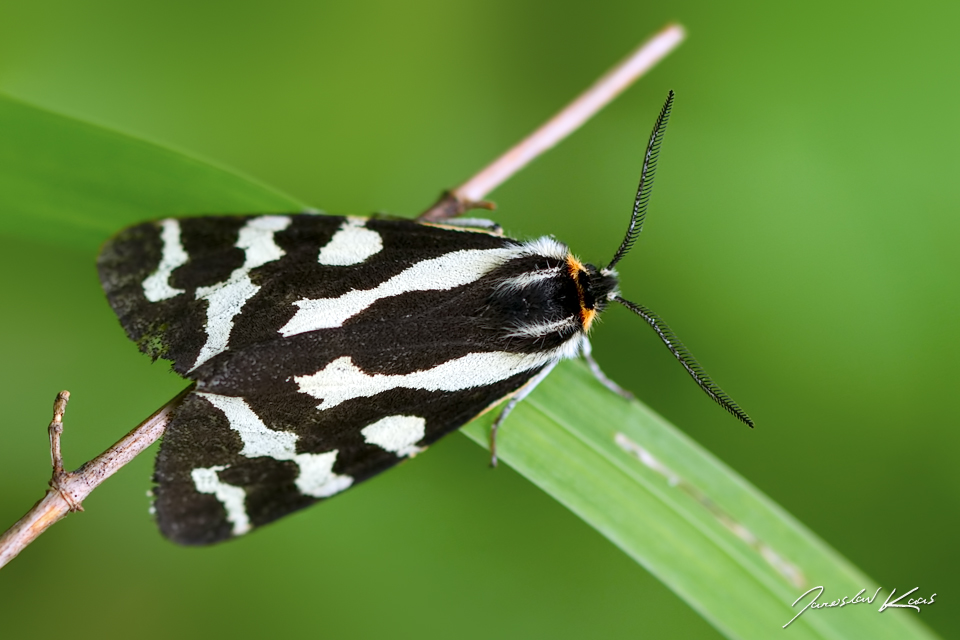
(889, 603)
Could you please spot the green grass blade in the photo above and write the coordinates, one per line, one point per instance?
(725, 548)
(75, 184)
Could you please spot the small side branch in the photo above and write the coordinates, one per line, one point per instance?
(56, 430)
(70, 488)
(471, 193)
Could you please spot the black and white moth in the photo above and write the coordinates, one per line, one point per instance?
(327, 349)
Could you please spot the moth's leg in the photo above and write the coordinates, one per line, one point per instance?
(450, 205)
(598, 373)
(521, 393)
(481, 224)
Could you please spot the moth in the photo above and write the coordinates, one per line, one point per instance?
(326, 349)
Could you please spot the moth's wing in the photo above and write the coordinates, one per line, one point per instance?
(282, 423)
(189, 289)
(228, 464)
(281, 419)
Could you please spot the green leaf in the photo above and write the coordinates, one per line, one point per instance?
(724, 547)
(75, 184)
(720, 544)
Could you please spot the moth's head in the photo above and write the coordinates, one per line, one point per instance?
(595, 287)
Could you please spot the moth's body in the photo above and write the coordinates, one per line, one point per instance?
(326, 349)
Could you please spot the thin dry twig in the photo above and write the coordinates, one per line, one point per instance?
(69, 489)
(56, 430)
(471, 193)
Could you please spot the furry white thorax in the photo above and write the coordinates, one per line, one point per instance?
(547, 247)
(534, 330)
(518, 283)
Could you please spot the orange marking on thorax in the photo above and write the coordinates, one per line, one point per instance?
(574, 266)
(577, 271)
(586, 317)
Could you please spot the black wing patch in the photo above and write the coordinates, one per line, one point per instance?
(162, 278)
(228, 464)
(325, 350)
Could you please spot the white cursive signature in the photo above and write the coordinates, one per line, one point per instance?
(912, 603)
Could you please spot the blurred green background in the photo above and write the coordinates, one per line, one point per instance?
(801, 240)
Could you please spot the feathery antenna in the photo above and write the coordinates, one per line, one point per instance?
(687, 360)
(646, 182)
